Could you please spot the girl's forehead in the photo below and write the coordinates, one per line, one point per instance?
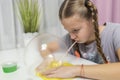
(73, 21)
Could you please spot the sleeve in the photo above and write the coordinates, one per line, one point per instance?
(67, 40)
(116, 38)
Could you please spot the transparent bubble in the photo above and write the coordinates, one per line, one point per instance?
(44, 49)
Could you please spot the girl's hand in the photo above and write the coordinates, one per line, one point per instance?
(41, 67)
(63, 72)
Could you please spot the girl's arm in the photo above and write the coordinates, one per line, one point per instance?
(110, 71)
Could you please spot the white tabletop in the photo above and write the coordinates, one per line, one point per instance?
(24, 72)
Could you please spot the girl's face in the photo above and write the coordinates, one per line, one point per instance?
(80, 30)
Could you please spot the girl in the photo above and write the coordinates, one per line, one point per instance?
(100, 44)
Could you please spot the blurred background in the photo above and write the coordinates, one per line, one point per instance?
(12, 33)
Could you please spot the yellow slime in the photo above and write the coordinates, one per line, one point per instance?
(54, 64)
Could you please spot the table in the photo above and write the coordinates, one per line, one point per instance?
(24, 72)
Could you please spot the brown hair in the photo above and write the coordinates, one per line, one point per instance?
(85, 9)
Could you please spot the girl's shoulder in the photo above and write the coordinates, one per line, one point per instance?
(113, 25)
(110, 28)
(110, 40)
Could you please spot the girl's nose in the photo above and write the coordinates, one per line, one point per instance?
(73, 36)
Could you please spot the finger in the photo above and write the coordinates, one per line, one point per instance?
(40, 67)
(51, 71)
(37, 69)
(52, 75)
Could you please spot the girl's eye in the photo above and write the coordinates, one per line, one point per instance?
(75, 31)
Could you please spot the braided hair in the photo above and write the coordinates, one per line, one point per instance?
(92, 9)
(87, 10)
